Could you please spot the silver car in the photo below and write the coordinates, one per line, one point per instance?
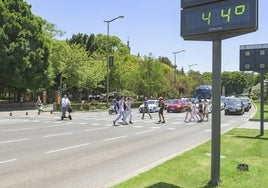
(152, 105)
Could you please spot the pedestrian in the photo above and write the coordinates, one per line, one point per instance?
(195, 112)
(39, 105)
(121, 110)
(189, 112)
(206, 110)
(128, 110)
(38, 102)
(21, 100)
(161, 110)
(201, 110)
(65, 104)
(146, 108)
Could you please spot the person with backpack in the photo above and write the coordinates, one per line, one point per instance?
(146, 109)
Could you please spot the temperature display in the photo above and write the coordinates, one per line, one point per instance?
(225, 19)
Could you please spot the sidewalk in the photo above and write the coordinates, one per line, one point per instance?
(26, 109)
(254, 125)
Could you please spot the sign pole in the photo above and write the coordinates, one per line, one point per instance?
(216, 113)
(262, 105)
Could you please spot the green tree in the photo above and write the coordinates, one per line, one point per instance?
(88, 41)
(233, 82)
(24, 52)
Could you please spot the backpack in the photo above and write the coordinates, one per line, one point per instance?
(145, 104)
(200, 107)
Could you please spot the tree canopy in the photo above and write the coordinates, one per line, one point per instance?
(24, 51)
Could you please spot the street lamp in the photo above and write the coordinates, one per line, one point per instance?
(175, 65)
(107, 51)
(190, 66)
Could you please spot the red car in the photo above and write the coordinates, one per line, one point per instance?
(177, 105)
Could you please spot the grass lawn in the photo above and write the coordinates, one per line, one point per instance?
(192, 168)
(257, 115)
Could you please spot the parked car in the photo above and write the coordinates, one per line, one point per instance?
(234, 106)
(247, 103)
(152, 105)
(168, 101)
(177, 105)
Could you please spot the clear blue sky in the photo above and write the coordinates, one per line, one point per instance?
(152, 26)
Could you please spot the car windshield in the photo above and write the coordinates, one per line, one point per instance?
(176, 102)
(234, 102)
(151, 102)
(168, 101)
(245, 100)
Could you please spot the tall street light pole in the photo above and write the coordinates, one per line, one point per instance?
(108, 53)
(190, 67)
(175, 65)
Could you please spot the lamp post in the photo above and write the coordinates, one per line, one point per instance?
(175, 65)
(107, 51)
(190, 66)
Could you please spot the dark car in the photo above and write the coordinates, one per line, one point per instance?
(247, 103)
(234, 106)
(177, 105)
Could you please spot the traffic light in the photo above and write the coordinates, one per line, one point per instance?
(111, 61)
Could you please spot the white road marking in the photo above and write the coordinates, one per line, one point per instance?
(138, 126)
(60, 134)
(22, 129)
(145, 131)
(82, 123)
(67, 148)
(88, 130)
(10, 141)
(6, 161)
(94, 124)
(55, 125)
(114, 138)
(177, 123)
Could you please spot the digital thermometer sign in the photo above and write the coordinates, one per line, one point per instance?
(219, 20)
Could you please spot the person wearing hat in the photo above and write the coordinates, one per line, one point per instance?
(161, 110)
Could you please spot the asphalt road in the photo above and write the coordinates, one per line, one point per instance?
(88, 151)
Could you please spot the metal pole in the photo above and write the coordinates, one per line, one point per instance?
(175, 65)
(108, 53)
(107, 74)
(262, 105)
(216, 114)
